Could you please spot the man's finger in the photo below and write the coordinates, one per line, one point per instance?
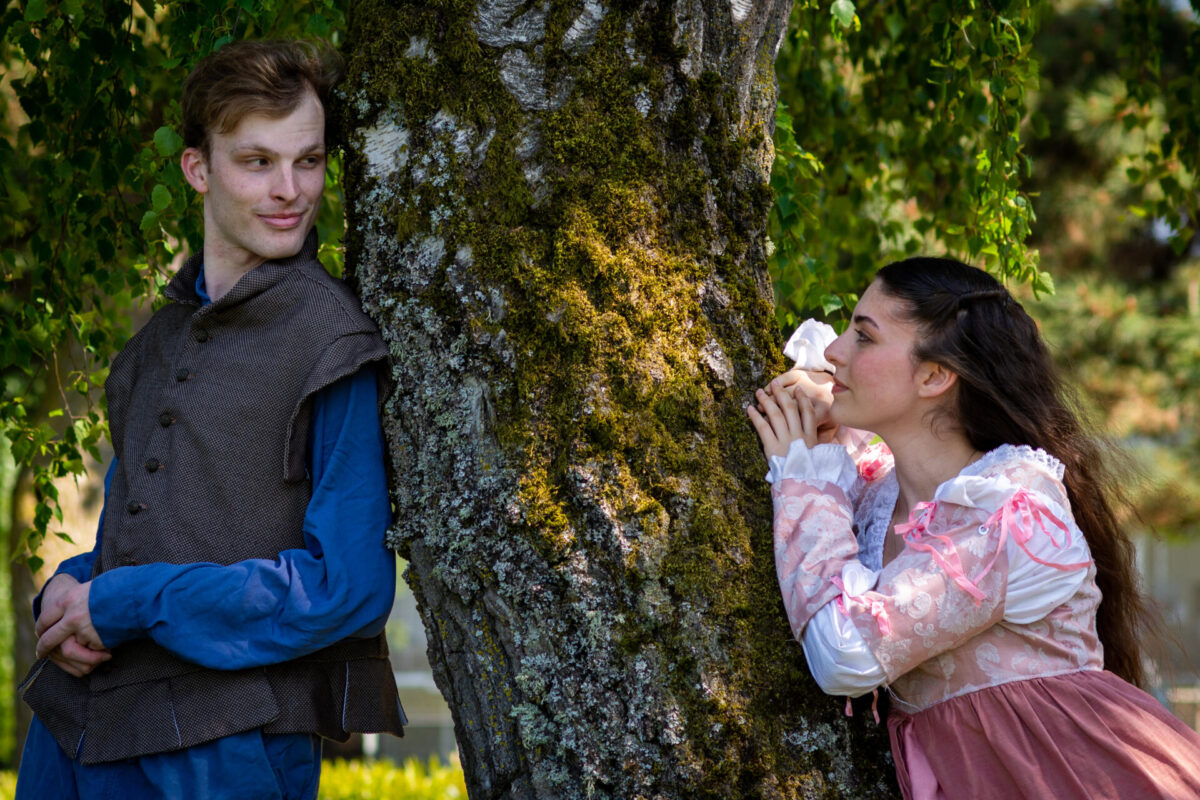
(49, 641)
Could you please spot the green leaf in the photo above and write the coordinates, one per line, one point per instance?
(831, 303)
(1043, 284)
(843, 10)
(149, 220)
(160, 198)
(167, 141)
(35, 11)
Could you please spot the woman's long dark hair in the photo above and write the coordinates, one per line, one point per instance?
(1009, 392)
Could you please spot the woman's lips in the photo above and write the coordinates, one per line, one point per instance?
(838, 386)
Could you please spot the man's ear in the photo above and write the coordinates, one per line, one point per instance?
(195, 169)
(934, 380)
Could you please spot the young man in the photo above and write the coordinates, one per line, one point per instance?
(232, 610)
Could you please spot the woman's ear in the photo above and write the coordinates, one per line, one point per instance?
(934, 380)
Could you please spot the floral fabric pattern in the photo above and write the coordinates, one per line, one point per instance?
(936, 620)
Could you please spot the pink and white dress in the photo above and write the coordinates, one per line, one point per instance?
(982, 630)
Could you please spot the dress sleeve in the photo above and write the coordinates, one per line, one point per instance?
(813, 526)
(265, 611)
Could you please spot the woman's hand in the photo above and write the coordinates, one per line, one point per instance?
(783, 415)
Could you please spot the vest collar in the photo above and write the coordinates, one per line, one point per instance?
(182, 287)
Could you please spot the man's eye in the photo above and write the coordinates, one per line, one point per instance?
(256, 163)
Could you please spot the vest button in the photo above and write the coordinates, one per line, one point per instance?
(153, 464)
(201, 335)
(165, 419)
(182, 374)
(133, 506)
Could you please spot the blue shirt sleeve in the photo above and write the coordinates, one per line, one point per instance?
(264, 611)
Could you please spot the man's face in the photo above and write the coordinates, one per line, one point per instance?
(262, 185)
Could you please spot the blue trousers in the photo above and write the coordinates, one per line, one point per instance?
(245, 766)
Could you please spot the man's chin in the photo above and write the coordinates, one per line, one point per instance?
(280, 246)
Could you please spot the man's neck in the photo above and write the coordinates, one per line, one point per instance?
(222, 270)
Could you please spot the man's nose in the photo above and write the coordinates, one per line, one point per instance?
(285, 185)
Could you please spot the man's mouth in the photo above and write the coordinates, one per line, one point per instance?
(282, 221)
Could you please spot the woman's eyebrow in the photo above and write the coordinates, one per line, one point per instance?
(863, 319)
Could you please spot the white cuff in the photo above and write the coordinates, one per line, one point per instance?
(825, 462)
(837, 655)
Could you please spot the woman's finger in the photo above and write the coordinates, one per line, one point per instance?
(791, 411)
(771, 410)
(770, 442)
(808, 420)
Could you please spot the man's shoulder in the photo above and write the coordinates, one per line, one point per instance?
(329, 300)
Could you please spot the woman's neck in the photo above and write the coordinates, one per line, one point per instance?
(924, 461)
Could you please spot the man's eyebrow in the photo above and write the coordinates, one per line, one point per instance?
(315, 147)
(863, 319)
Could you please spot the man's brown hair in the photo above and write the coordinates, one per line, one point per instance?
(263, 77)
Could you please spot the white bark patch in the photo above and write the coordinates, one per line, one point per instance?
(582, 33)
(386, 148)
(424, 255)
(495, 24)
(418, 47)
(716, 360)
(642, 102)
(741, 9)
(525, 79)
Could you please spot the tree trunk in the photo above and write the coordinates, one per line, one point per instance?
(556, 215)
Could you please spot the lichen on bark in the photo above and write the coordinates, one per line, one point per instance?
(556, 214)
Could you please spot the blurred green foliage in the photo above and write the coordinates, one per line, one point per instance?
(913, 127)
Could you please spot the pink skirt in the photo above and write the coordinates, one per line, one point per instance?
(1087, 735)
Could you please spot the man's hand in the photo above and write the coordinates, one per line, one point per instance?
(65, 630)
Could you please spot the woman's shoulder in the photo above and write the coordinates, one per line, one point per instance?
(991, 480)
(1009, 458)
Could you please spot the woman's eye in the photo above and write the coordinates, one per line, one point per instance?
(861, 337)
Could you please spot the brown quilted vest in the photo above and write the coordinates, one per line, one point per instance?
(208, 413)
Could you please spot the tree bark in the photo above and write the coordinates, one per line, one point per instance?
(556, 214)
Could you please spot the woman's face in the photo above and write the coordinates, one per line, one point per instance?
(876, 383)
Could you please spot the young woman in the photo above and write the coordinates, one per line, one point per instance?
(973, 566)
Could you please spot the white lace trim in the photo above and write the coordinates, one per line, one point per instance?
(874, 518)
(1007, 453)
